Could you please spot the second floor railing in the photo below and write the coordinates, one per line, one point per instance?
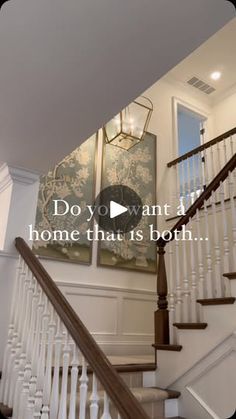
(192, 172)
(199, 249)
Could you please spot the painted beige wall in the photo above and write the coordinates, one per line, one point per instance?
(224, 114)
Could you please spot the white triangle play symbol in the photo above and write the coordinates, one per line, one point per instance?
(116, 209)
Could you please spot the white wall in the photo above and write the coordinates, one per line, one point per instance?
(224, 113)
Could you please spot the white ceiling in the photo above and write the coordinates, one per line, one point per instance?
(216, 54)
(69, 66)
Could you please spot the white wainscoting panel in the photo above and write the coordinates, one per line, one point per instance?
(120, 319)
(137, 313)
(98, 312)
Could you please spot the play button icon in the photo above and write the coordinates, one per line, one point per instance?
(118, 209)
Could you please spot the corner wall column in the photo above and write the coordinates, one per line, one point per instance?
(18, 202)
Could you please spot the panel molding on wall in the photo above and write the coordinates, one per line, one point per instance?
(208, 389)
(120, 319)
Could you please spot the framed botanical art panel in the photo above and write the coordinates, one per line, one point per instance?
(136, 169)
(72, 180)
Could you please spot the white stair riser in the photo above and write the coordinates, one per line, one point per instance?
(197, 343)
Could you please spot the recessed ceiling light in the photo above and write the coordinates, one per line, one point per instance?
(216, 75)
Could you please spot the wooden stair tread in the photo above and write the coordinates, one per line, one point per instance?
(142, 394)
(230, 275)
(190, 326)
(122, 368)
(135, 367)
(133, 363)
(216, 301)
(176, 348)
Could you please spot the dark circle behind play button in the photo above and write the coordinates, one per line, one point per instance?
(109, 201)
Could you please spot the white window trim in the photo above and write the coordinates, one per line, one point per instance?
(179, 102)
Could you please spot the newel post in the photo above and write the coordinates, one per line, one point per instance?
(162, 335)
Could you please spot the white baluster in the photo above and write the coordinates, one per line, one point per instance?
(172, 190)
(106, 408)
(188, 182)
(24, 374)
(233, 217)
(206, 168)
(14, 311)
(177, 191)
(31, 399)
(178, 285)
(19, 345)
(217, 251)
(48, 373)
(194, 291)
(201, 284)
(74, 381)
(209, 275)
(54, 402)
(226, 183)
(198, 175)
(232, 142)
(225, 239)
(186, 291)
(42, 361)
(191, 179)
(31, 349)
(23, 399)
(212, 162)
(219, 167)
(35, 397)
(201, 174)
(65, 369)
(94, 399)
(184, 185)
(15, 337)
(83, 390)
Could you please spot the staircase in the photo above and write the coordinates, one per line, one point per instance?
(195, 321)
(54, 369)
(131, 370)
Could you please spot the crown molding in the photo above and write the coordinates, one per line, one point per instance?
(11, 174)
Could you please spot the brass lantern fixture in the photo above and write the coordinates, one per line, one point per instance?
(129, 127)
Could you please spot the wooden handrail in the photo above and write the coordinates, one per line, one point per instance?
(202, 147)
(162, 313)
(123, 399)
